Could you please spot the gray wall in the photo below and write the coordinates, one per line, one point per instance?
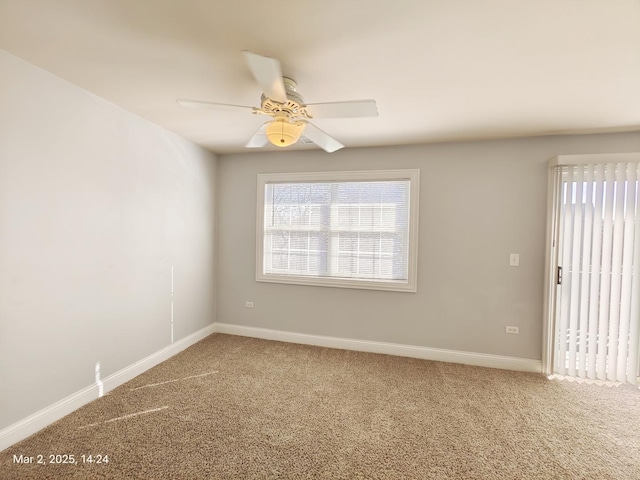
(96, 205)
(479, 202)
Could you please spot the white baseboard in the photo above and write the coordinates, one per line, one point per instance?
(425, 353)
(39, 420)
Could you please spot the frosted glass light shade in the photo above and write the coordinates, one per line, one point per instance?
(282, 133)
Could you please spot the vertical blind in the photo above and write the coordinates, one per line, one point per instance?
(598, 315)
(351, 229)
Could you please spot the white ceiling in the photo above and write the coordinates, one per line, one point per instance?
(440, 70)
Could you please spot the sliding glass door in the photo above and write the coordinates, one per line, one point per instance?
(595, 271)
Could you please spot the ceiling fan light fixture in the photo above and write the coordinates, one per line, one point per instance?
(282, 132)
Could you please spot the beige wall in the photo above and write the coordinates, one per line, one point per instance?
(96, 205)
(479, 202)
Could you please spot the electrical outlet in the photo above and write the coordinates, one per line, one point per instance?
(512, 329)
(248, 304)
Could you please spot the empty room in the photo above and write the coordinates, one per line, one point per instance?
(320, 240)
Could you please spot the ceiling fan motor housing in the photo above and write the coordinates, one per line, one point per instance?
(294, 107)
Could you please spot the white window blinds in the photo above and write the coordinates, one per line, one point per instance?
(598, 316)
(347, 229)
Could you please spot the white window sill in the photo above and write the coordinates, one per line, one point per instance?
(391, 285)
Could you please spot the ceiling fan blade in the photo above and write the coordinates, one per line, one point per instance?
(216, 106)
(259, 138)
(268, 74)
(356, 108)
(324, 141)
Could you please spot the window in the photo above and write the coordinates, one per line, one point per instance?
(340, 229)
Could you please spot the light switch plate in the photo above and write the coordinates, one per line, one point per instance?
(514, 259)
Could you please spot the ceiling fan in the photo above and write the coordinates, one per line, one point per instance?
(290, 113)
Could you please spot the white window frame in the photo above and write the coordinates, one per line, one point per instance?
(409, 285)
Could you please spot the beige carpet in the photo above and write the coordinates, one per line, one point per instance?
(241, 408)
